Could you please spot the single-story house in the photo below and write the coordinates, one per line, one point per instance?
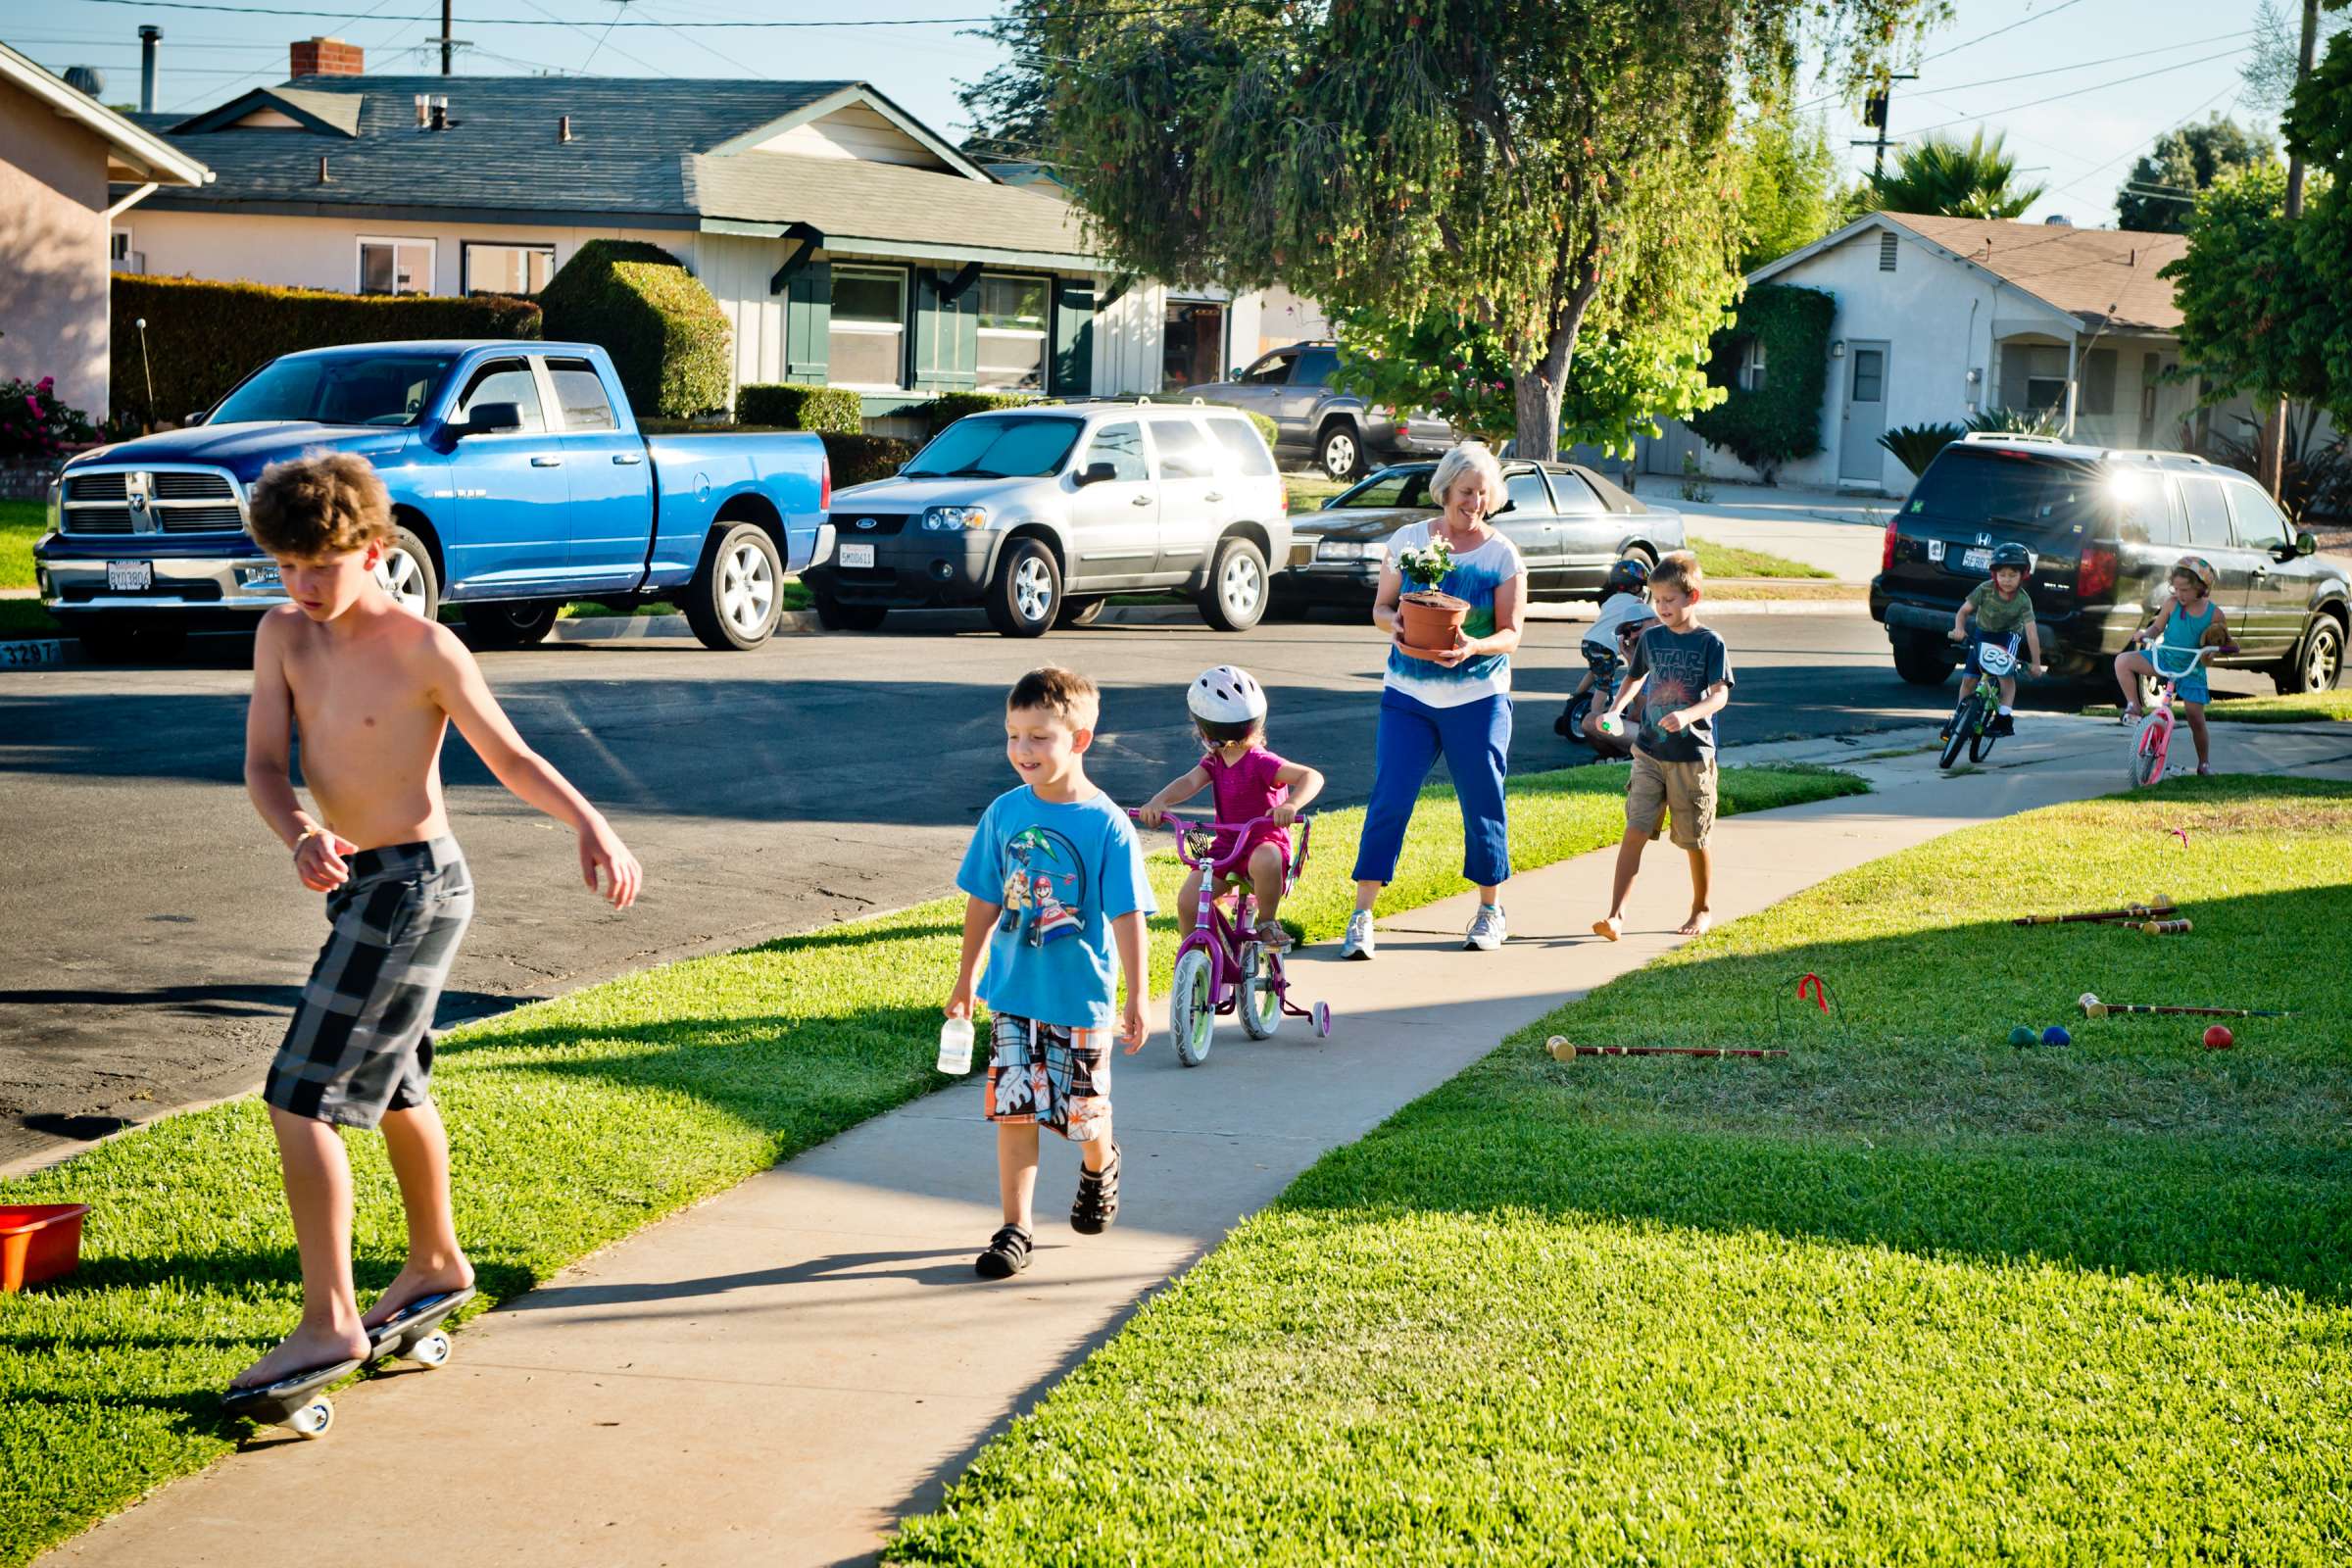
(70, 168)
(1938, 319)
(846, 241)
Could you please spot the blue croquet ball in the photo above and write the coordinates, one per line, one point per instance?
(2056, 1035)
(2020, 1036)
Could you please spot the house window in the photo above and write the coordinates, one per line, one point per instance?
(868, 343)
(1012, 334)
(120, 256)
(508, 269)
(1752, 365)
(1192, 344)
(1887, 247)
(396, 265)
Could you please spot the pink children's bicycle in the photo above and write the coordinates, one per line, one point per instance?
(1221, 967)
(2155, 736)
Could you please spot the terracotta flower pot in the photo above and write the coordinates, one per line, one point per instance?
(1432, 619)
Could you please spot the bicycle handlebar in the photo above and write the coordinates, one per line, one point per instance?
(1240, 832)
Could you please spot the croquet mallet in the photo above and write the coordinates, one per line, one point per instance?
(2160, 928)
(1562, 1050)
(2158, 907)
(2093, 1008)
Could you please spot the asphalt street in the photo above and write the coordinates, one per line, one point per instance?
(156, 938)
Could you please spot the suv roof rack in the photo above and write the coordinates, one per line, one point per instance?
(2156, 455)
(1988, 437)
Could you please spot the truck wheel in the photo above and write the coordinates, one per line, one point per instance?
(1080, 614)
(511, 623)
(1025, 595)
(1340, 451)
(1921, 661)
(834, 616)
(406, 574)
(733, 602)
(2315, 663)
(1234, 598)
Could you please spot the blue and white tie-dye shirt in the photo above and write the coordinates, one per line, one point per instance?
(1477, 576)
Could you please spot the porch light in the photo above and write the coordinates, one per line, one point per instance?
(1838, 348)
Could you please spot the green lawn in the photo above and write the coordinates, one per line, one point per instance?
(574, 1122)
(1908, 1295)
(793, 592)
(1730, 561)
(1309, 490)
(2299, 709)
(22, 522)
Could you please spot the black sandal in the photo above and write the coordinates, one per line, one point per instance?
(1006, 1255)
(1098, 1201)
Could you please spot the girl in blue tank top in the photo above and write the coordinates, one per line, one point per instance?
(2189, 620)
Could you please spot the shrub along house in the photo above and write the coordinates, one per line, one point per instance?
(845, 242)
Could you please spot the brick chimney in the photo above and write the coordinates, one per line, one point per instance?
(326, 56)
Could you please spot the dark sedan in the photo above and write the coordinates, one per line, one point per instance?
(1569, 522)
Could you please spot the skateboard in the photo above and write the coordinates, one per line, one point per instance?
(415, 1331)
(293, 1402)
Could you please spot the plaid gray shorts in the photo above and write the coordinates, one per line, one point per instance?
(1049, 1074)
(361, 1043)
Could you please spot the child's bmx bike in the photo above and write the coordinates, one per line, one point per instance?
(2154, 738)
(1221, 967)
(1980, 703)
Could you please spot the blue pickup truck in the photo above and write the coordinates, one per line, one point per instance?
(518, 479)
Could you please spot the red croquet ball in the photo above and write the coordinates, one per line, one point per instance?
(2219, 1038)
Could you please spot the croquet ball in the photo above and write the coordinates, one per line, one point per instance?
(2056, 1035)
(2219, 1038)
(2022, 1034)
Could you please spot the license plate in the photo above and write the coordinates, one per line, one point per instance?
(1976, 561)
(129, 576)
(858, 555)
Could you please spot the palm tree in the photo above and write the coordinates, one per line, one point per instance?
(1940, 176)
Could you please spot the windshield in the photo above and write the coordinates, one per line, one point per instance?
(996, 449)
(2032, 492)
(338, 389)
(1391, 487)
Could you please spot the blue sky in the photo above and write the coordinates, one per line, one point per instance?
(2184, 60)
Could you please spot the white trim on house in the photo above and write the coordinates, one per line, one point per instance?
(358, 260)
(146, 155)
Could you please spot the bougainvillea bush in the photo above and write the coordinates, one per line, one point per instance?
(34, 424)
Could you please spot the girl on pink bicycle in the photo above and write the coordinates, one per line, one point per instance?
(2189, 620)
(1248, 782)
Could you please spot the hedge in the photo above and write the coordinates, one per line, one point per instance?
(862, 458)
(666, 334)
(1783, 421)
(203, 337)
(793, 406)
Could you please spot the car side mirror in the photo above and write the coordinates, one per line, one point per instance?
(2306, 543)
(489, 419)
(1098, 473)
(195, 418)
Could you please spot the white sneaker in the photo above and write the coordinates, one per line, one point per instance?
(1487, 931)
(1358, 942)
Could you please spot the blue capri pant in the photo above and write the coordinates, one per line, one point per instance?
(1475, 739)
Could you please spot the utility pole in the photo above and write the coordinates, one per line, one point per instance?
(2273, 465)
(1875, 114)
(449, 30)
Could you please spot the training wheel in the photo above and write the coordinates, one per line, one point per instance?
(1322, 1016)
(312, 1419)
(430, 1351)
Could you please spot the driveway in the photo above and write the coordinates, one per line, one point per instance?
(156, 938)
(1843, 534)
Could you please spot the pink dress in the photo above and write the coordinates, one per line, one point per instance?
(1245, 791)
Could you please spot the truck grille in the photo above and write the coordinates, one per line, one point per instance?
(134, 500)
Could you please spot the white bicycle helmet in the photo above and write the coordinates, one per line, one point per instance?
(1226, 694)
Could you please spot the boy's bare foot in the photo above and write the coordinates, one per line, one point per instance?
(414, 1283)
(299, 1352)
(1696, 925)
(1609, 926)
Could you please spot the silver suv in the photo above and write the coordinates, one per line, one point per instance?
(1039, 515)
(1291, 386)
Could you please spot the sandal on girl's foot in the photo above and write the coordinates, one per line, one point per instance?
(1098, 1201)
(2204, 770)
(1006, 1255)
(2131, 715)
(1273, 936)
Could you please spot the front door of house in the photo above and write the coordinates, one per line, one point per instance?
(1859, 455)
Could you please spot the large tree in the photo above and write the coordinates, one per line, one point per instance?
(1789, 184)
(2319, 130)
(1975, 178)
(1544, 168)
(2256, 314)
(2165, 183)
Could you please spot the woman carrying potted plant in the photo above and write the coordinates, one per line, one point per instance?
(1448, 690)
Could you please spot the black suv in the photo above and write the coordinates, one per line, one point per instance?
(2104, 529)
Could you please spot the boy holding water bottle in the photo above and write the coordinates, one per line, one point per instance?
(1054, 882)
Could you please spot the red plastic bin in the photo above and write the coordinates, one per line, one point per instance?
(38, 1242)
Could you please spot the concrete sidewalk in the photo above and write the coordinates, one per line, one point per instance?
(778, 1374)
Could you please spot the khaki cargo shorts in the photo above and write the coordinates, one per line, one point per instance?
(1687, 790)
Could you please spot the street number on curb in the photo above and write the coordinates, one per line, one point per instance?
(32, 651)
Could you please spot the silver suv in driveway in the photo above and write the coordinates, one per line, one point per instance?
(1039, 515)
(1291, 386)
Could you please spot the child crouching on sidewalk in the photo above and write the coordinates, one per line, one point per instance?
(1682, 675)
(1054, 879)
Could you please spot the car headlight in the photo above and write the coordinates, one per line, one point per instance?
(1350, 550)
(259, 578)
(947, 520)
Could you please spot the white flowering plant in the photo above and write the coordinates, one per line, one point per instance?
(1426, 565)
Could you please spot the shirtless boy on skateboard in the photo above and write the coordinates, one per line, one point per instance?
(371, 690)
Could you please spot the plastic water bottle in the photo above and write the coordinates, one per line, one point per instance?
(1609, 724)
(956, 1047)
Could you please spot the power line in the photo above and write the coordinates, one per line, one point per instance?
(2022, 22)
(552, 21)
(2078, 92)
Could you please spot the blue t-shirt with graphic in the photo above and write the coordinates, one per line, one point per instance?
(1683, 666)
(1477, 575)
(1063, 872)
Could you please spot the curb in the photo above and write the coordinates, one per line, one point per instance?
(803, 623)
(24, 652)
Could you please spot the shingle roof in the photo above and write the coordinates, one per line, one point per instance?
(2104, 277)
(847, 198)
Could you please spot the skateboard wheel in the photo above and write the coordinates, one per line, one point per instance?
(312, 1419)
(430, 1351)
(1322, 1020)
